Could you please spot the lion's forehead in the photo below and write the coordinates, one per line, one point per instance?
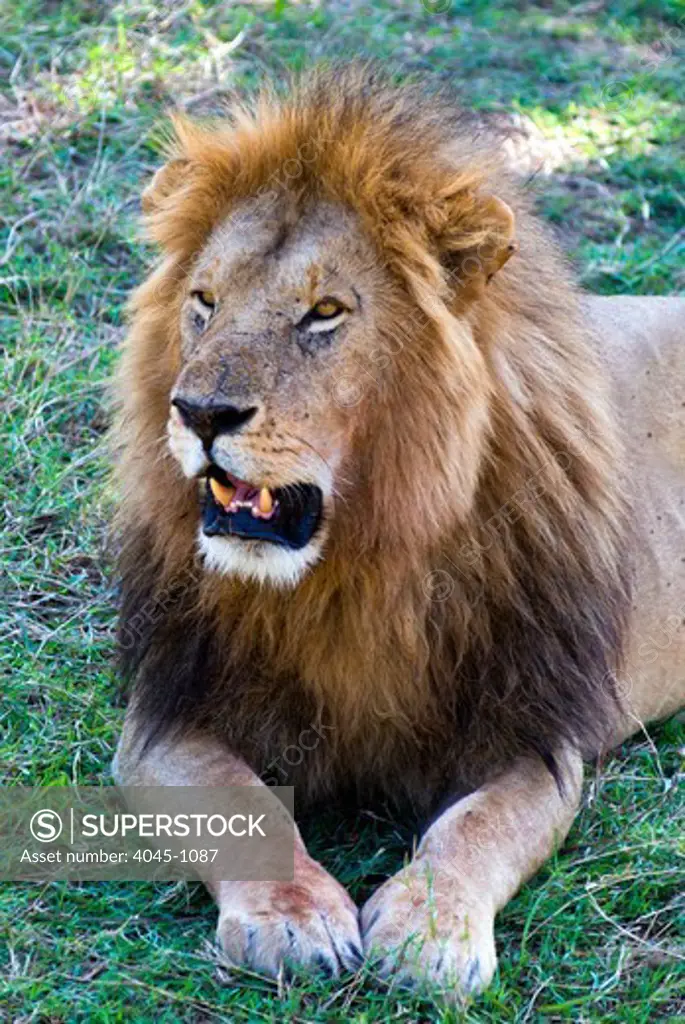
(268, 239)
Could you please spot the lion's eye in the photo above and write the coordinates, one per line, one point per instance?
(206, 299)
(325, 315)
(202, 307)
(326, 308)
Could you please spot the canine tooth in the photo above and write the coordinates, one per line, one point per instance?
(224, 495)
(266, 502)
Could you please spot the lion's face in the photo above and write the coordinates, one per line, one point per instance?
(278, 314)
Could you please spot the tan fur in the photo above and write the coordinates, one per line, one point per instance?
(464, 609)
(642, 344)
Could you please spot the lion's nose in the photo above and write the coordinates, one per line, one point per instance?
(209, 420)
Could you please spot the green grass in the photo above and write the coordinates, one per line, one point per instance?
(598, 935)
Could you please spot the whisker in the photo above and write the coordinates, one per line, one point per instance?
(307, 444)
(335, 489)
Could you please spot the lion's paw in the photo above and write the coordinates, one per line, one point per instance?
(309, 922)
(421, 930)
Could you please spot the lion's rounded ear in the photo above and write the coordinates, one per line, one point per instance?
(486, 245)
(165, 181)
(500, 246)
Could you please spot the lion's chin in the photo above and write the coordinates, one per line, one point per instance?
(259, 561)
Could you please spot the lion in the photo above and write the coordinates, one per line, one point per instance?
(390, 476)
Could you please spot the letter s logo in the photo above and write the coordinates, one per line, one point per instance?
(46, 826)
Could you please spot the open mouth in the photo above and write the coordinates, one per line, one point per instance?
(288, 516)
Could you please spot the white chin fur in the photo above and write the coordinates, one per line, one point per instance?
(266, 563)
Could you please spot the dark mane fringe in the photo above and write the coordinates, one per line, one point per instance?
(412, 695)
(547, 679)
(162, 643)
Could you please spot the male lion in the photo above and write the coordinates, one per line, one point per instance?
(371, 472)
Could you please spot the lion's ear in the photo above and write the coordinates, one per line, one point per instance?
(473, 259)
(167, 180)
(501, 245)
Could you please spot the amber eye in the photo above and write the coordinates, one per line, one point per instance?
(327, 308)
(206, 299)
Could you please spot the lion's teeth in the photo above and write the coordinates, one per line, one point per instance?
(224, 495)
(266, 502)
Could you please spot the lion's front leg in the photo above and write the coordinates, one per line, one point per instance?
(310, 920)
(434, 920)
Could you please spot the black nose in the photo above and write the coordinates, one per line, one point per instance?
(208, 421)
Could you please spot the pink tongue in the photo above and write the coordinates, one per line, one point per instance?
(247, 494)
(243, 490)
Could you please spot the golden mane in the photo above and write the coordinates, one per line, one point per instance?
(485, 621)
